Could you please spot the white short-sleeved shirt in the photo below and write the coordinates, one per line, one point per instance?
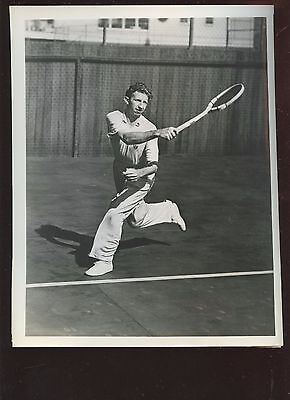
(129, 155)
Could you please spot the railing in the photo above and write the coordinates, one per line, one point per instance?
(188, 32)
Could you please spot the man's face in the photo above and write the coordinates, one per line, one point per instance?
(137, 104)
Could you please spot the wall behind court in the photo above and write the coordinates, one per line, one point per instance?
(71, 86)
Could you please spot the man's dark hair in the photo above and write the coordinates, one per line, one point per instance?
(139, 87)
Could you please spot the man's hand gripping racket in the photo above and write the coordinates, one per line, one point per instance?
(218, 103)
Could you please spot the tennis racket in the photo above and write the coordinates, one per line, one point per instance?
(218, 103)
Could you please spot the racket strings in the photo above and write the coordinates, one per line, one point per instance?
(227, 97)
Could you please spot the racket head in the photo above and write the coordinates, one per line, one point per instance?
(227, 97)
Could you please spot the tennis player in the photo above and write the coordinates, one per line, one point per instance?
(134, 140)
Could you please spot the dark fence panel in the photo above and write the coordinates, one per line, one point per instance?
(71, 86)
(50, 107)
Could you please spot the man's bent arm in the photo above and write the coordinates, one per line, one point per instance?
(148, 170)
(142, 137)
(133, 174)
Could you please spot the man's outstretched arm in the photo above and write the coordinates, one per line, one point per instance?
(141, 137)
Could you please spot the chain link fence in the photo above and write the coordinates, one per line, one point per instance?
(215, 32)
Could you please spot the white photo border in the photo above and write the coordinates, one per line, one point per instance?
(18, 15)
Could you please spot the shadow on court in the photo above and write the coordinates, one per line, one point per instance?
(81, 244)
(227, 207)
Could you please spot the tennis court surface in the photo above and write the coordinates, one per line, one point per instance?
(213, 280)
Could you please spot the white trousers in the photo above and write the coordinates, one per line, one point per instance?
(130, 205)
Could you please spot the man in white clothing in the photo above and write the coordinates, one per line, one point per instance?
(134, 140)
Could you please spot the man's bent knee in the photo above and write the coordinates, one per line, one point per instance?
(136, 219)
(113, 216)
(132, 222)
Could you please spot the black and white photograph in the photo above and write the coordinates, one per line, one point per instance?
(145, 194)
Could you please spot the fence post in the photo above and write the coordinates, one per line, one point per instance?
(228, 32)
(104, 35)
(190, 40)
(77, 93)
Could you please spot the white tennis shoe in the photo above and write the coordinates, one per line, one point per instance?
(100, 268)
(176, 218)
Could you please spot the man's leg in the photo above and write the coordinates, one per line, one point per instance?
(148, 214)
(109, 233)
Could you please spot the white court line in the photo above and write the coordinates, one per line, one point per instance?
(147, 279)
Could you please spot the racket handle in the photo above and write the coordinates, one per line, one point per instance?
(192, 120)
(184, 126)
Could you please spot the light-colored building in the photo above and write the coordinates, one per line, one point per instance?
(232, 32)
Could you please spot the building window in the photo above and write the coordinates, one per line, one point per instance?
(39, 25)
(117, 23)
(184, 20)
(103, 23)
(130, 23)
(143, 23)
(209, 21)
(240, 32)
(50, 22)
(241, 24)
